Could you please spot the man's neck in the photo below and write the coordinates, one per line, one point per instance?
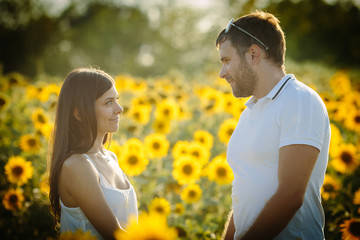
(269, 76)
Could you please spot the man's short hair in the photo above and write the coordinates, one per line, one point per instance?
(265, 27)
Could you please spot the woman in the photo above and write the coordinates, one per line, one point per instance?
(88, 190)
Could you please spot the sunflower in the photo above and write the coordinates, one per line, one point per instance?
(179, 209)
(204, 138)
(14, 79)
(186, 170)
(18, 170)
(330, 187)
(167, 109)
(44, 184)
(29, 143)
(161, 126)
(345, 159)
(149, 226)
(140, 113)
(123, 82)
(232, 105)
(357, 197)
(39, 118)
(160, 206)
(191, 193)
(133, 162)
(13, 199)
(115, 147)
(352, 121)
(220, 171)
(137, 86)
(340, 83)
(211, 101)
(199, 152)
(134, 145)
(180, 149)
(47, 91)
(156, 145)
(335, 140)
(4, 102)
(32, 92)
(141, 101)
(78, 235)
(350, 229)
(226, 129)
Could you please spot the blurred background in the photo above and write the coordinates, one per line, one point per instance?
(147, 38)
(163, 58)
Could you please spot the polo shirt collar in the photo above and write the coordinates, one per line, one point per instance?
(275, 91)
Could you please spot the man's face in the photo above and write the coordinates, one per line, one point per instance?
(237, 71)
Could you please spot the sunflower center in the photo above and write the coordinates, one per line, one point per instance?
(357, 119)
(221, 172)
(230, 131)
(159, 209)
(137, 116)
(133, 160)
(195, 154)
(17, 171)
(160, 125)
(187, 169)
(13, 81)
(192, 194)
(328, 187)
(31, 142)
(41, 119)
(156, 145)
(202, 140)
(354, 228)
(166, 112)
(2, 102)
(346, 157)
(13, 199)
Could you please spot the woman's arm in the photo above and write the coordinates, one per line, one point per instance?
(80, 180)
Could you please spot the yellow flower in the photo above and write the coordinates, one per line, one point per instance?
(47, 91)
(234, 106)
(191, 193)
(140, 113)
(186, 170)
(123, 82)
(44, 184)
(204, 138)
(4, 102)
(357, 197)
(167, 109)
(220, 171)
(13, 199)
(161, 126)
(18, 170)
(340, 83)
(14, 79)
(150, 226)
(179, 209)
(199, 152)
(350, 229)
(29, 143)
(226, 129)
(116, 148)
(211, 101)
(160, 206)
(78, 235)
(39, 118)
(134, 144)
(32, 92)
(345, 159)
(133, 162)
(335, 140)
(330, 187)
(352, 121)
(180, 149)
(137, 86)
(156, 145)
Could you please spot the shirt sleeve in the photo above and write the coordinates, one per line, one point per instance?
(302, 119)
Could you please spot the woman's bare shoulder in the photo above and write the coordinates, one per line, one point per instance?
(78, 165)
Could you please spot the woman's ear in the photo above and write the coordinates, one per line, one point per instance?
(76, 114)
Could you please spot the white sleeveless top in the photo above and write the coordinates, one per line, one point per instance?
(123, 203)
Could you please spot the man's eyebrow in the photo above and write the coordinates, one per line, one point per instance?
(223, 59)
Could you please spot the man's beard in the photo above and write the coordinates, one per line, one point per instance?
(245, 81)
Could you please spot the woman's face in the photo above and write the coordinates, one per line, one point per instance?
(107, 112)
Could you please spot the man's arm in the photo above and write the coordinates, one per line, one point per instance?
(229, 230)
(296, 163)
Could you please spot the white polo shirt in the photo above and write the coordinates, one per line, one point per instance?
(291, 113)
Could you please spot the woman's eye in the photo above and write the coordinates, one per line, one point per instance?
(108, 103)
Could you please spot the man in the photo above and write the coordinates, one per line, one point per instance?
(279, 149)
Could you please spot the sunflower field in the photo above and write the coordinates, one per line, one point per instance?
(171, 143)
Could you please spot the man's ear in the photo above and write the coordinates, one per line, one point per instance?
(255, 52)
(76, 114)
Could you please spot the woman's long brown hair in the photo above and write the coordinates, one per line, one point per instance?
(79, 91)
